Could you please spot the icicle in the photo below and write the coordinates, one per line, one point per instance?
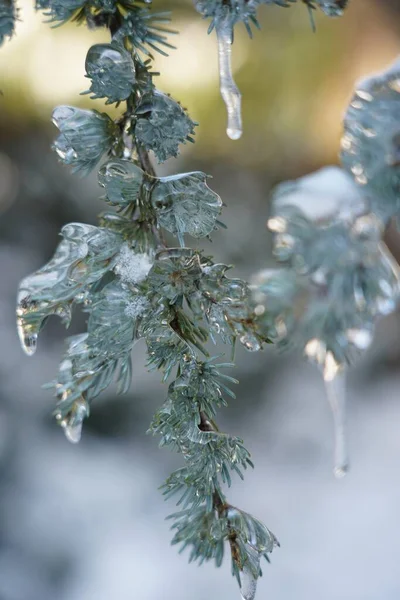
(248, 583)
(250, 342)
(28, 340)
(72, 423)
(335, 386)
(27, 331)
(229, 90)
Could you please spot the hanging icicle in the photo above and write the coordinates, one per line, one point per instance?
(334, 377)
(336, 394)
(229, 91)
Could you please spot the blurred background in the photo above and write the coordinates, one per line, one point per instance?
(86, 522)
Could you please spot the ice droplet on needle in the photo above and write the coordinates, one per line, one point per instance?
(73, 421)
(27, 331)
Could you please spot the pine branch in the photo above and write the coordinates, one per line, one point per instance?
(336, 280)
(133, 285)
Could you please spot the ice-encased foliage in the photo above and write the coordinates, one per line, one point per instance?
(162, 124)
(313, 218)
(82, 258)
(112, 72)
(185, 204)
(371, 140)
(335, 280)
(181, 203)
(122, 181)
(332, 320)
(85, 136)
(135, 287)
(93, 359)
(331, 242)
(338, 279)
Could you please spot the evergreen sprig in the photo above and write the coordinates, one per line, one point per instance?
(337, 277)
(133, 286)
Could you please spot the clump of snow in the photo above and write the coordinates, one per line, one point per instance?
(132, 267)
(136, 307)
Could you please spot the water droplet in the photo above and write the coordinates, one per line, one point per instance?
(28, 341)
(72, 423)
(280, 328)
(259, 310)
(229, 90)
(356, 104)
(341, 471)
(250, 342)
(234, 134)
(284, 244)
(385, 306)
(370, 133)
(357, 169)
(336, 393)
(66, 154)
(361, 179)
(248, 583)
(64, 311)
(360, 338)
(319, 276)
(216, 326)
(368, 227)
(331, 367)
(347, 142)
(315, 349)
(277, 224)
(395, 84)
(27, 331)
(364, 95)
